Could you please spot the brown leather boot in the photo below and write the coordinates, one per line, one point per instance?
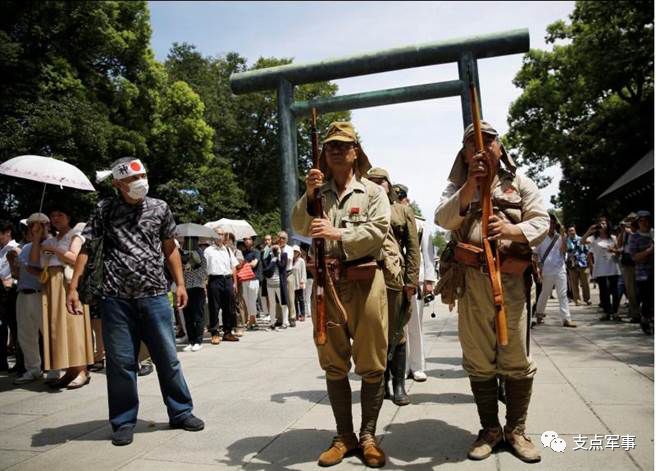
(485, 443)
(518, 396)
(341, 446)
(371, 398)
(486, 396)
(373, 455)
(521, 445)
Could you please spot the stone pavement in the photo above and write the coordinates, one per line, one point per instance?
(265, 407)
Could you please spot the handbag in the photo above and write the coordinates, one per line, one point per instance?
(90, 286)
(245, 273)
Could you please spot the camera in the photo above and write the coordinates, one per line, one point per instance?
(428, 298)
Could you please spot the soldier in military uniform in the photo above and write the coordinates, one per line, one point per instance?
(356, 223)
(519, 219)
(402, 269)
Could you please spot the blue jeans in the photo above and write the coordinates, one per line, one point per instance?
(126, 323)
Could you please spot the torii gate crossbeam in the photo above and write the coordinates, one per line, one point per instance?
(464, 51)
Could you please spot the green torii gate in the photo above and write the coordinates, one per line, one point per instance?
(464, 51)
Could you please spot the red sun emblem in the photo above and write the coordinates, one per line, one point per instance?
(135, 166)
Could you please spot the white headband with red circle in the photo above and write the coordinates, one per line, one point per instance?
(122, 170)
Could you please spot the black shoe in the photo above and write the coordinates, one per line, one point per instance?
(97, 366)
(145, 369)
(191, 423)
(293, 323)
(123, 435)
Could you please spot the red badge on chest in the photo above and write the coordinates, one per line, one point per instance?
(354, 211)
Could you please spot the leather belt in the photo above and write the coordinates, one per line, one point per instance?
(29, 291)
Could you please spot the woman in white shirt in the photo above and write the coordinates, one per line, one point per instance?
(605, 268)
(67, 340)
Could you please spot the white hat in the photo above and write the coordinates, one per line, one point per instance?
(38, 217)
(296, 248)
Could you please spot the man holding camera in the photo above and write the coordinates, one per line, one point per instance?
(552, 253)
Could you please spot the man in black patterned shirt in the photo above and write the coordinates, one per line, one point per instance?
(138, 238)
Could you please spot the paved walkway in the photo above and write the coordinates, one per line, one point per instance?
(265, 406)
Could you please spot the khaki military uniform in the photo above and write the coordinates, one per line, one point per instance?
(516, 199)
(363, 216)
(482, 357)
(404, 231)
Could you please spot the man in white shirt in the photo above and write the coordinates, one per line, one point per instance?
(285, 248)
(415, 363)
(7, 298)
(552, 253)
(222, 285)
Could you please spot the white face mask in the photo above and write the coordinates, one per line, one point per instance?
(138, 189)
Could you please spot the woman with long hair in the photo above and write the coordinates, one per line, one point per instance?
(605, 267)
(67, 340)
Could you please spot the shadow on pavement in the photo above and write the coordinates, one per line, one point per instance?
(446, 374)
(81, 431)
(444, 398)
(284, 451)
(310, 396)
(456, 360)
(316, 396)
(421, 445)
(426, 443)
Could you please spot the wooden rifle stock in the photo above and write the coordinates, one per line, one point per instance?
(490, 252)
(319, 333)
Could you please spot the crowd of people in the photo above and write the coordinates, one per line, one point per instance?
(620, 261)
(151, 281)
(248, 285)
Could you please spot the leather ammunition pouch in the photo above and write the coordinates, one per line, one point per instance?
(362, 269)
(513, 261)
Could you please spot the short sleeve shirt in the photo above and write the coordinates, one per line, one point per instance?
(133, 260)
(27, 280)
(638, 243)
(5, 269)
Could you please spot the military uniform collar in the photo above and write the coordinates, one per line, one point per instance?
(354, 185)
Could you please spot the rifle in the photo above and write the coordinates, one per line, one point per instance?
(319, 333)
(490, 247)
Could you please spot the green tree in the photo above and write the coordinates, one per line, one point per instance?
(587, 104)
(79, 82)
(246, 129)
(416, 209)
(439, 241)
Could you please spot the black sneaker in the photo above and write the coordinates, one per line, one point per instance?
(293, 323)
(191, 423)
(123, 435)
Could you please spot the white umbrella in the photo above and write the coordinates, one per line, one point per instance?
(46, 170)
(239, 227)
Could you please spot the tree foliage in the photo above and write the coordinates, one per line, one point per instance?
(246, 126)
(79, 82)
(587, 104)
